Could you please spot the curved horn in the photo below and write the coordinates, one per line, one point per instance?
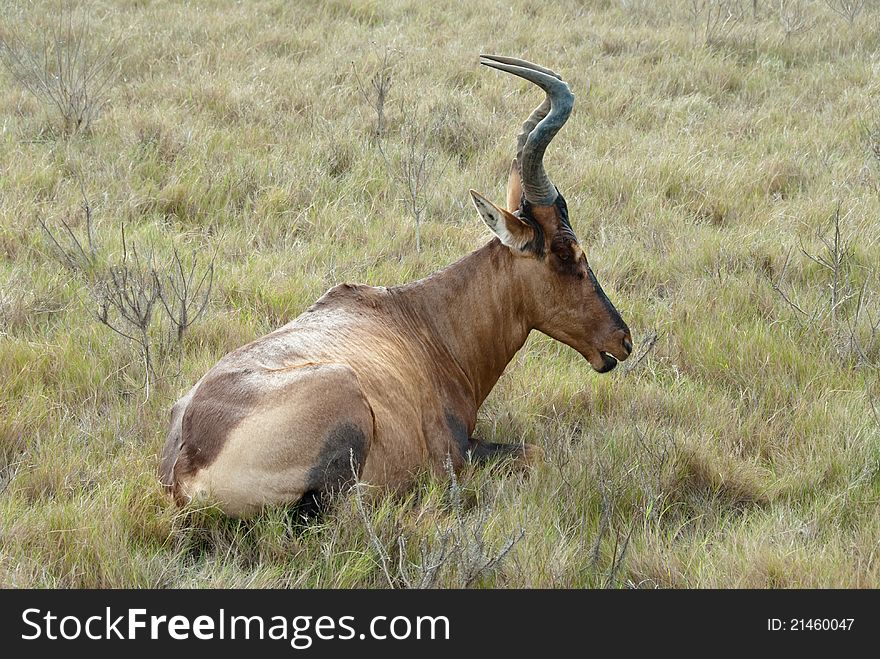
(541, 126)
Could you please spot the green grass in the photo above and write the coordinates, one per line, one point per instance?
(741, 451)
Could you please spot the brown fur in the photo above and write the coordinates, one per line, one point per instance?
(391, 377)
(418, 354)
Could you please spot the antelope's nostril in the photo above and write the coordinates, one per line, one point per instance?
(627, 345)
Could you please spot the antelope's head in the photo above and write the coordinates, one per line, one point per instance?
(566, 301)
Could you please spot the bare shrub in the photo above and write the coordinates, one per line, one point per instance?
(459, 555)
(127, 297)
(375, 92)
(414, 168)
(657, 456)
(412, 162)
(611, 494)
(79, 255)
(134, 292)
(68, 70)
(846, 307)
(848, 10)
(712, 20)
(463, 542)
(793, 18)
(135, 298)
(184, 294)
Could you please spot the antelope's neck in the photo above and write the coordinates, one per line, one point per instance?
(476, 315)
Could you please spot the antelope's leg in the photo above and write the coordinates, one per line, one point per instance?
(527, 454)
(308, 437)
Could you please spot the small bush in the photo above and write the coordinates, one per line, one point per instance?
(132, 293)
(68, 70)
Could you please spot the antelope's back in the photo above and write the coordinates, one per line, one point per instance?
(350, 327)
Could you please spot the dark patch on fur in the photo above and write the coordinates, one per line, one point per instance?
(217, 407)
(310, 508)
(460, 435)
(561, 248)
(562, 208)
(485, 451)
(536, 244)
(527, 214)
(332, 470)
(609, 307)
(564, 262)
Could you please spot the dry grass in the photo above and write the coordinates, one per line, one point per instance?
(741, 450)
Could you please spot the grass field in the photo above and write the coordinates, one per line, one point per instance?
(704, 165)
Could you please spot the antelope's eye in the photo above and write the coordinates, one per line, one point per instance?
(565, 256)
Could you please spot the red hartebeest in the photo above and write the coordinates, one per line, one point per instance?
(392, 378)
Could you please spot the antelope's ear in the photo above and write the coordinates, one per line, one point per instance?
(512, 231)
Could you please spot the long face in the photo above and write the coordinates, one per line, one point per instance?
(571, 305)
(567, 301)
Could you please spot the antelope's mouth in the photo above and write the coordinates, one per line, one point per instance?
(608, 362)
(601, 361)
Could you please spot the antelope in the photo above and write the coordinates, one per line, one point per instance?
(376, 383)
